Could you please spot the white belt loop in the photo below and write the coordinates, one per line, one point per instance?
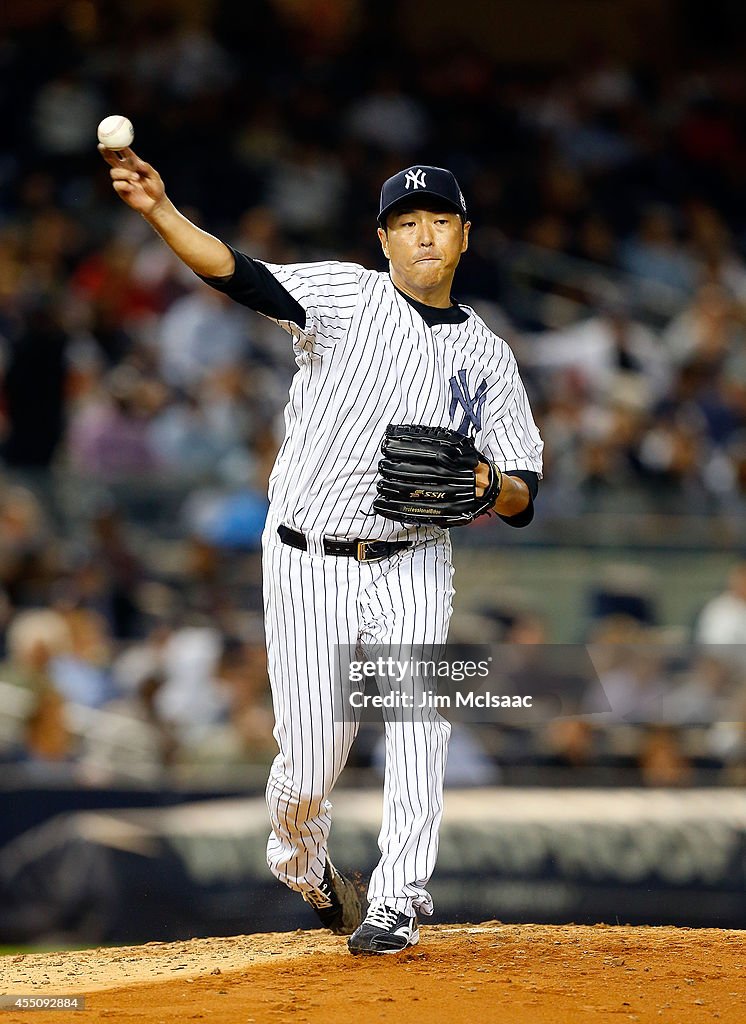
(315, 542)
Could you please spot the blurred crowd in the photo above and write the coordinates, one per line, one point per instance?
(117, 667)
(608, 244)
(608, 248)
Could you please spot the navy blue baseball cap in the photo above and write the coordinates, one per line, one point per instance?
(418, 181)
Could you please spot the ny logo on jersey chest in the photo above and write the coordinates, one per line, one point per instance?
(470, 404)
(415, 178)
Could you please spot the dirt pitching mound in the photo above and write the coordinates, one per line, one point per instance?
(527, 974)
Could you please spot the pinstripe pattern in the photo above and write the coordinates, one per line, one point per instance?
(314, 604)
(410, 605)
(365, 358)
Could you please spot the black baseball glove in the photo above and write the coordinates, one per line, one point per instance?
(427, 477)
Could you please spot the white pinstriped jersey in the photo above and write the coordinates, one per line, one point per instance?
(367, 358)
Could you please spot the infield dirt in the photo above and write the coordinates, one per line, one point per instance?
(527, 974)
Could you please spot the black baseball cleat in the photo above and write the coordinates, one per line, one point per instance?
(336, 902)
(384, 930)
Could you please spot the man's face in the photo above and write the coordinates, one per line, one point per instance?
(424, 245)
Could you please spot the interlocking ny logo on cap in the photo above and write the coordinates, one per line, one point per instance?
(415, 178)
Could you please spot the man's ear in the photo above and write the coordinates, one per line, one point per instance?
(383, 238)
(465, 240)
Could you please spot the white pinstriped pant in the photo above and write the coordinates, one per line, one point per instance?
(312, 603)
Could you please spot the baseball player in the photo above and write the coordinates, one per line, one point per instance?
(357, 555)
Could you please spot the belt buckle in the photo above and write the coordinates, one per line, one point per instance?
(361, 554)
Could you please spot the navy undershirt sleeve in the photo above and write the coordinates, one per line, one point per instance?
(531, 480)
(253, 285)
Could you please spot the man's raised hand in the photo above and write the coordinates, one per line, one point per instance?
(138, 184)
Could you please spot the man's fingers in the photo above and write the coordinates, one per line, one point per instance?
(123, 174)
(133, 161)
(108, 155)
(112, 157)
(132, 179)
(123, 158)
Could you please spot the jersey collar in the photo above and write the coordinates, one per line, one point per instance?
(434, 315)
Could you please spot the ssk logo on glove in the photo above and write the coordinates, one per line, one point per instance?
(428, 494)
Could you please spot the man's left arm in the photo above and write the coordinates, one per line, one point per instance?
(511, 441)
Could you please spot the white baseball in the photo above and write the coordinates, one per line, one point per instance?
(116, 132)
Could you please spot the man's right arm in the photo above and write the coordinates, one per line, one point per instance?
(299, 297)
(141, 187)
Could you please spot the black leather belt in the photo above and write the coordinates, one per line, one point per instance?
(360, 550)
